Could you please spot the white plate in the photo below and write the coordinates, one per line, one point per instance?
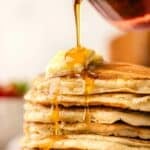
(11, 114)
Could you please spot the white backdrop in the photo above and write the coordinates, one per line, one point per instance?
(31, 31)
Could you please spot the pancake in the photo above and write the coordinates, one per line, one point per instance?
(122, 70)
(119, 100)
(39, 113)
(106, 78)
(88, 142)
(41, 131)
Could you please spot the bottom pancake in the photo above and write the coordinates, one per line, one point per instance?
(41, 131)
(85, 142)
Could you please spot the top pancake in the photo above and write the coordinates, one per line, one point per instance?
(122, 70)
(107, 78)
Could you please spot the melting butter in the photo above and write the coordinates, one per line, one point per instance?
(73, 61)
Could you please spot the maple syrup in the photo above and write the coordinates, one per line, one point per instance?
(89, 82)
(77, 5)
(55, 118)
(54, 93)
(89, 85)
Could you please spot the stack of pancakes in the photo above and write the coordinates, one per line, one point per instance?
(104, 108)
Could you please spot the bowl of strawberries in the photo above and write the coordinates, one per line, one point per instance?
(11, 110)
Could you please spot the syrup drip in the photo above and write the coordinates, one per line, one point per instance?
(55, 115)
(54, 93)
(75, 53)
(77, 20)
(88, 82)
(55, 118)
(49, 145)
(89, 85)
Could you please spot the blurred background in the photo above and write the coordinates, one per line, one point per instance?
(32, 31)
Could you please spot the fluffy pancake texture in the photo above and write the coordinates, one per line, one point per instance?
(118, 100)
(101, 107)
(76, 86)
(107, 78)
(41, 130)
(38, 113)
(89, 142)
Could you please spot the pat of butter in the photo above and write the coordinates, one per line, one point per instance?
(72, 61)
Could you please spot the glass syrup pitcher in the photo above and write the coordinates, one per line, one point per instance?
(125, 14)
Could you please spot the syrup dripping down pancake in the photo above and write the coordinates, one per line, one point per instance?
(45, 130)
(117, 100)
(39, 113)
(107, 78)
